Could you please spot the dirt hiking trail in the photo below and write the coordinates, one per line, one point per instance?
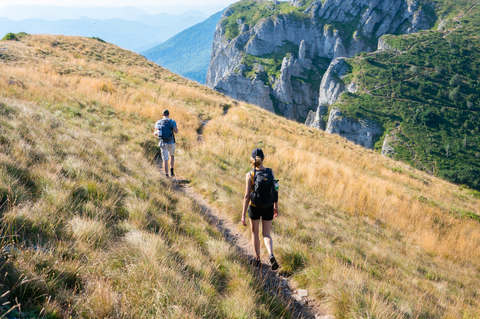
(301, 305)
(273, 283)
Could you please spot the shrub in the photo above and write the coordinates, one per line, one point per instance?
(456, 80)
(454, 96)
(427, 117)
(14, 37)
(98, 39)
(438, 70)
(10, 37)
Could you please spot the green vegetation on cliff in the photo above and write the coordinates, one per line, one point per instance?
(426, 91)
(251, 11)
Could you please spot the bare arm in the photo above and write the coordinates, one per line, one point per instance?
(246, 198)
(175, 130)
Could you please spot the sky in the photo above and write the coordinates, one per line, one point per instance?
(117, 3)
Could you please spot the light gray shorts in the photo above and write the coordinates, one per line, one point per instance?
(166, 150)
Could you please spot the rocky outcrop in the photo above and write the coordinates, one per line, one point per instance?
(327, 31)
(332, 82)
(248, 90)
(387, 148)
(292, 92)
(359, 131)
(330, 89)
(384, 46)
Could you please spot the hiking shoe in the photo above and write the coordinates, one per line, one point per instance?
(274, 263)
(171, 173)
(255, 262)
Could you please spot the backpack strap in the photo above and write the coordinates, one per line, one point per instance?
(252, 174)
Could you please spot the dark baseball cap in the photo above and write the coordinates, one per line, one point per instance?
(257, 152)
(165, 112)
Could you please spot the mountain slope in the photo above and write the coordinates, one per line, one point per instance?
(89, 227)
(187, 53)
(274, 54)
(100, 232)
(163, 19)
(297, 58)
(424, 90)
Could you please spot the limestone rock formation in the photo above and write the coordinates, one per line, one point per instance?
(384, 46)
(248, 90)
(294, 63)
(359, 131)
(330, 89)
(387, 148)
(326, 31)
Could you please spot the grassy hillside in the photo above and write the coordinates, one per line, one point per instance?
(426, 92)
(96, 230)
(188, 53)
(91, 228)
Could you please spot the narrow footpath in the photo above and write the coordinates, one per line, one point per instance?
(297, 301)
(301, 305)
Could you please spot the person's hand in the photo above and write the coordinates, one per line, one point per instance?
(244, 223)
(275, 213)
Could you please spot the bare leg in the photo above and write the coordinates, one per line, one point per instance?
(255, 225)
(266, 227)
(165, 166)
(172, 161)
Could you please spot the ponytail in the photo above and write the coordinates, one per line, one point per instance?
(257, 161)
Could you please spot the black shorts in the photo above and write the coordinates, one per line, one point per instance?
(256, 212)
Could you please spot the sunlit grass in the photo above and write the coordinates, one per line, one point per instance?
(367, 236)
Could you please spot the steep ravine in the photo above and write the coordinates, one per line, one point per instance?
(291, 61)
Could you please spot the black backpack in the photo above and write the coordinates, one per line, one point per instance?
(166, 127)
(263, 193)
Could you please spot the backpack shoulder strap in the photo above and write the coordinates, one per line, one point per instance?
(252, 174)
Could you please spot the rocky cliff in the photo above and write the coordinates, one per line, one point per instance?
(287, 56)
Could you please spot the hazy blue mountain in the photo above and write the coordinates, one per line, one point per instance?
(132, 35)
(146, 47)
(23, 12)
(164, 19)
(179, 9)
(188, 53)
(129, 35)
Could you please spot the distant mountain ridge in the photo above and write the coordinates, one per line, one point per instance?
(163, 19)
(139, 35)
(188, 53)
(23, 12)
(49, 12)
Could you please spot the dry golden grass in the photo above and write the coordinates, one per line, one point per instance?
(92, 230)
(369, 236)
